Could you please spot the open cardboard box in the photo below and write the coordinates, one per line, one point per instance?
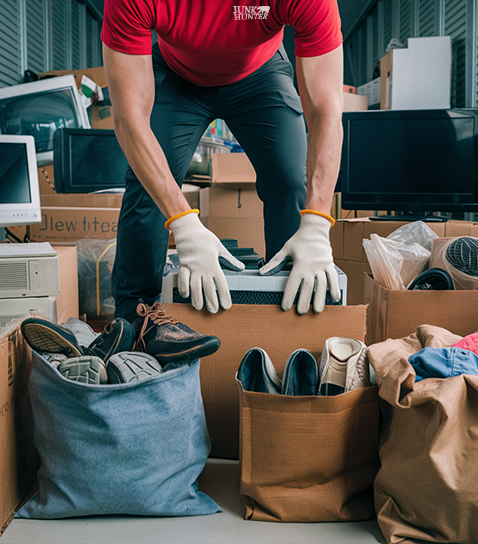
(20, 460)
(243, 327)
(396, 314)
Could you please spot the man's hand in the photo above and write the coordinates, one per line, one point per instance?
(200, 274)
(313, 267)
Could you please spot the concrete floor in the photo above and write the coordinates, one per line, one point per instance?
(220, 481)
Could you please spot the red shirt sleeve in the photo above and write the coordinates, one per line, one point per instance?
(127, 25)
(316, 25)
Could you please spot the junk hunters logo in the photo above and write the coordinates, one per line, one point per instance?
(251, 12)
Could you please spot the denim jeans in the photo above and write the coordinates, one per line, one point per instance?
(443, 362)
(264, 112)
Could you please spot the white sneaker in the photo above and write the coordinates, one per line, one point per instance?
(343, 366)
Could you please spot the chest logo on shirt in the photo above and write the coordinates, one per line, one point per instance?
(251, 12)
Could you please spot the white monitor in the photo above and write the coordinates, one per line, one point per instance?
(19, 188)
(39, 109)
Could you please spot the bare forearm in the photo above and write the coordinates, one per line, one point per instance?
(323, 161)
(149, 163)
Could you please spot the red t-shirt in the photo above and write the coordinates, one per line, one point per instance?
(218, 42)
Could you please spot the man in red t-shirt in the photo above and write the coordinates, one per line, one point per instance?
(224, 59)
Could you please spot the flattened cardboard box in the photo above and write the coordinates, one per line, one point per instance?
(243, 327)
(19, 458)
(396, 314)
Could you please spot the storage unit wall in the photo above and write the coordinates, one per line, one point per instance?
(42, 35)
(365, 41)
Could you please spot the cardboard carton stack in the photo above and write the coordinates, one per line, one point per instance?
(346, 239)
(230, 208)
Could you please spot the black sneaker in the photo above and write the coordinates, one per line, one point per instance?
(47, 337)
(129, 367)
(117, 336)
(159, 335)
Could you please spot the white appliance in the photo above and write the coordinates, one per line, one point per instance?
(16, 308)
(247, 287)
(28, 270)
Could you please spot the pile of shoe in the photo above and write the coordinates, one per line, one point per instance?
(124, 352)
(343, 367)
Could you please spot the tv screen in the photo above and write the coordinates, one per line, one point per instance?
(88, 160)
(39, 109)
(19, 188)
(410, 161)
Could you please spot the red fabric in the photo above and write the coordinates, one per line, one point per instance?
(218, 42)
(469, 342)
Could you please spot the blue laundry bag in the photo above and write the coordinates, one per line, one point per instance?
(133, 449)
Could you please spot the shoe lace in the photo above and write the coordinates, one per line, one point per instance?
(156, 315)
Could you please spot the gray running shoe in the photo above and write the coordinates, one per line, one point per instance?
(257, 373)
(131, 366)
(86, 369)
(301, 375)
(44, 336)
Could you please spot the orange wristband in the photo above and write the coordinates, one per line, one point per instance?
(331, 219)
(174, 217)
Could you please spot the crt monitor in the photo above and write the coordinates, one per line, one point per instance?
(39, 109)
(410, 161)
(88, 161)
(19, 188)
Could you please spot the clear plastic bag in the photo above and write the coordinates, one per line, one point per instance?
(95, 264)
(398, 259)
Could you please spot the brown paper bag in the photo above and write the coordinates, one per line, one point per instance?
(427, 487)
(308, 458)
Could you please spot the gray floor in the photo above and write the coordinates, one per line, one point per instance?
(220, 481)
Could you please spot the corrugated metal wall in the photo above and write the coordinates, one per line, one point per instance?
(41, 35)
(402, 19)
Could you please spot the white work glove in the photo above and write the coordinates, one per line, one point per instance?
(199, 253)
(309, 248)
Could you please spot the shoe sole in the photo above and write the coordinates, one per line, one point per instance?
(82, 370)
(196, 352)
(128, 367)
(43, 338)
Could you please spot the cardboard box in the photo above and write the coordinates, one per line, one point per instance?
(20, 460)
(350, 89)
(242, 327)
(101, 116)
(67, 300)
(232, 170)
(70, 217)
(45, 179)
(70, 224)
(371, 90)
(355, 284)
(346, 235)
(234, 213)
(354, 102)
(396, 314)
(418, 77)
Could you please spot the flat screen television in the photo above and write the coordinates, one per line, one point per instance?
(413, 162)
(39, 109)
(88, 161)
(19, 187)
